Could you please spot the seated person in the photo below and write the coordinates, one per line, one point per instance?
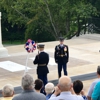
(38, 85)
(63, 90)
(78, 88)
(28, 92)
(96, 92)
(49, 89)
(91, 89)
(7, 92)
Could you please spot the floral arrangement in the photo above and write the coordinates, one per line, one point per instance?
(30, 45)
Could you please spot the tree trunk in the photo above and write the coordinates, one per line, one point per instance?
(68, 23)
(55, 31)
(79, 27)
(85, 26)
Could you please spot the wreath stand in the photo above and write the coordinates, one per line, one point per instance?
(30, 44)
(26, 69)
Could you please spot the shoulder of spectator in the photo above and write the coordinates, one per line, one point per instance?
(97, 85)
(52, 97)
(80, 97)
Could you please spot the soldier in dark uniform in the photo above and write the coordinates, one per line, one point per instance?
(42, 60)
(61, 56)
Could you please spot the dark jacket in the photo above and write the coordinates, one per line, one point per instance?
(61, 54)
(42, 58)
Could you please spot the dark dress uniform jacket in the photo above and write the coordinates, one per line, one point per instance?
(61, 54)
(40, 59)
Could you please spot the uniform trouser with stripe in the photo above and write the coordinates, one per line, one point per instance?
(60, 67)
(45, 81)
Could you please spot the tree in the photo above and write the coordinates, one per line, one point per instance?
(94, 21)
(70, 16)
(45, 20)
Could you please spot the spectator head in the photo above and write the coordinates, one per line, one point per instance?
(8, 90)
(65, 83)
(77, 86)
(27, 82)
(98, 70)
(38, 84)
(49, 88)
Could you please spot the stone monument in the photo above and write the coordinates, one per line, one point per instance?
(3, 51)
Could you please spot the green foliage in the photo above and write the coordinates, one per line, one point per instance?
(95, 20)
(46, 20)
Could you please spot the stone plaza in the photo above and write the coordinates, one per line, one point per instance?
(84, 59)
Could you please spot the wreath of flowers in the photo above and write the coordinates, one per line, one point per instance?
(30, 45)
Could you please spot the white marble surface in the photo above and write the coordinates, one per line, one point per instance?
(12, 66)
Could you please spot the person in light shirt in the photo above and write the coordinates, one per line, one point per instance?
(92, 86)
(49, 89)
(28, 92)
(7, 92)
(38, 85)
(96, 92)
(63, 90)
(78, 89)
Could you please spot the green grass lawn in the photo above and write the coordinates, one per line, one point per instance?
(9, 43)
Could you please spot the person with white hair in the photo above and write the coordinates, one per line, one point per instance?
(64, 89)
(49, 89)
(7, 92)
(28, 90)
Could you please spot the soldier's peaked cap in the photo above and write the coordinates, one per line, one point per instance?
(40, 46)
(61, 38)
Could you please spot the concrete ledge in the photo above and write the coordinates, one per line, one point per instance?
(79, 77)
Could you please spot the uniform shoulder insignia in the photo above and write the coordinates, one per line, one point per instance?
(65, 48)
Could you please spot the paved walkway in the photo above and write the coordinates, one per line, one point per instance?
(84, 58)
